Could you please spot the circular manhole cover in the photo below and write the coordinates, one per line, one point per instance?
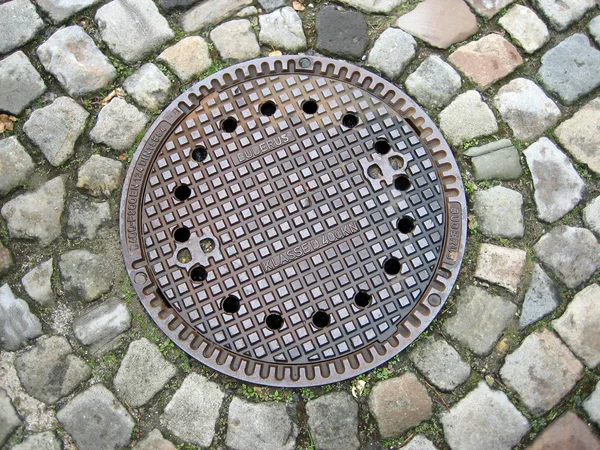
(293, 221)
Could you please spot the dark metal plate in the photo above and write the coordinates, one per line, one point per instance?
(293, 221)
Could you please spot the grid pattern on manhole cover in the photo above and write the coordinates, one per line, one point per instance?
(293, 223)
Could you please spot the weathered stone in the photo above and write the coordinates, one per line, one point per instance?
(40, 441)
(236, 40)
(15, 165)
(573, 254)
(19, 23)
(570, 69)
(266, 426)
(20, 83)
(84, 276)
(525, 27)
(99, 326)
(542, 371)
(133, 29)
(579, 135)
(118, 125)
(333, 421)
(85, 217)
(60, 10)
(399, 404)
(419, 442)
(193, 411)
(558, 186)
(37, 215)
(374, 6)
(271, 5)
(149, 87)
(73, 58)
(341, 33)
(566, 432)
(154, 441)
(99, 176)
(56, 128)
(484, 419)
(592, 405)
(391, 52)
(498, 160)
(578, 326)
(440, 363)
(210, 12)
(434, 83)
(49, 370)
(526, 109)
(188, 58)
(562, 14)
(500, 265)
(9, 420)
(38, 285)
(499, 213)
(594, 28)
(96, 420)
(467, 118)
(424, 21)
(540, 299)
(489, 8)
(486, 60)
(142, 374)
(480, 319)
(169, 5)
(248, 11)
(17, 323)
(6, 259)
(282, 29)
(591, 216)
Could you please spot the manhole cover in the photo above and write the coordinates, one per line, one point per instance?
(293, 221)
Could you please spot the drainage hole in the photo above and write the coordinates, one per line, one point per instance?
(182, 192)
(320, 319)
(207, 245)
(362, 299)
(310, 107)
(231, 304)
(198, 274)
(350, 120)
(274, 321)
(184, 256)
(229, 125)
(396, 162)
(406, 224)
(374, 171)
(402, 183)
(382, 146)
(391, 266)
(199, 154)
(181, 234)
(268, 108)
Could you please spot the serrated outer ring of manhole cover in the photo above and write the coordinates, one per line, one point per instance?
(293, 221)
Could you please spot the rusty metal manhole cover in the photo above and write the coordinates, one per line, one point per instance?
(293, 221)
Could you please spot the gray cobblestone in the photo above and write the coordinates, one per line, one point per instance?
(20, 83)
(19, 22)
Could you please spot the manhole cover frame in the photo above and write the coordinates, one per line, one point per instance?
(256, 371)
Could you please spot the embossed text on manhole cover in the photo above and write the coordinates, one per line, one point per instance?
(293, 221)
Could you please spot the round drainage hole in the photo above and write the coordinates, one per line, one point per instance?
(350, 120)
(320, 319)
(274, 321)
(310, 107)
(391, 266)
(382, 146)
(229, 125)
(402, 183)
(362, 299)
(374, 171)
(198, 274)
(184, 256)
(199, 154)
(207, 245)
(231, 304)
(406, 224)
(181, 234)
(182, 192)
(268, 108)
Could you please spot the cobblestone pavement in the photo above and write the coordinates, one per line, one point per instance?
(511, 362)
